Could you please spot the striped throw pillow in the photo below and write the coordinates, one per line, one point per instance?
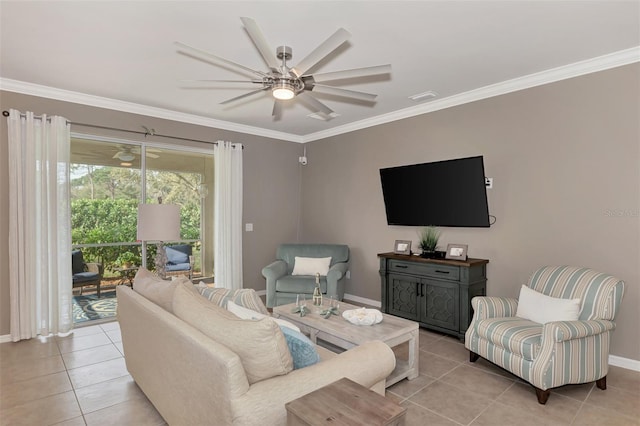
(246, 297)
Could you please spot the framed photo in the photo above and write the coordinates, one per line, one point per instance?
(402, 247)
(456, 252)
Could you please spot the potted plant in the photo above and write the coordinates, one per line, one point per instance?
(126, 259)
(429, 237)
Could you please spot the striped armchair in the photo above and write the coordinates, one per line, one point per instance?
(556, 353)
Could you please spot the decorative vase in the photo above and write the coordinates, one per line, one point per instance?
(317, 293)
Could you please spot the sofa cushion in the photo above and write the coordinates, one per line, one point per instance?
(83, 277)
(339, 253)
(77, 262)
(300, 284)
(177, 267)
(542, 309)
(245, 297)
(155, 288)
(302, 350)
(261, 346)
(244, 313)
(516, 335)
(311, 265)
(600, 294)
(177, 255)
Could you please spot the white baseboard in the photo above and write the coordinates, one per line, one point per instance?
(5, 339)
(363, 300)
(629, 364)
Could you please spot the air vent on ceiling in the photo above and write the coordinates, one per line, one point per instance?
(423, 96)
(323, 117)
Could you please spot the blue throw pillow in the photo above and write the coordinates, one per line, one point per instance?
(176, 256)
(303, 351)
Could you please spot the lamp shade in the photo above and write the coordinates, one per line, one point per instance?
(158, 222)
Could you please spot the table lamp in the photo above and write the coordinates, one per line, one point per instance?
(160, 223)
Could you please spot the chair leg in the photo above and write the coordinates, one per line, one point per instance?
(473, 357)
(542, 395)
(602, 383)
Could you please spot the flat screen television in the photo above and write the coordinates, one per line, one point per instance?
(442, 193)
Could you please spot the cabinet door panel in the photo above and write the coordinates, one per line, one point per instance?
(441, 302)
(402, 298)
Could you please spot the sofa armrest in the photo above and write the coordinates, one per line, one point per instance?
(335, 282)
(337, 271)
(366, 364)
(493, 307)
(272, 273)
(275, 270)
(561, 331)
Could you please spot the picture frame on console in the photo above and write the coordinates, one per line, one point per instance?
(456, 252)
(402, 247)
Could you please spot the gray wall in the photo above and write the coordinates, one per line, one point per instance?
(563, 156)
(271, 179)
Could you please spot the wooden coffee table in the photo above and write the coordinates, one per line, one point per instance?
(344, 403)
(339, 332)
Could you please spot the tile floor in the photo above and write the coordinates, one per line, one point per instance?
(76, 380)
(82, 380)
(452, 391)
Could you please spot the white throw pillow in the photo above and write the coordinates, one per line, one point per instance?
(246, 313)
(542, 309)
(311, 265)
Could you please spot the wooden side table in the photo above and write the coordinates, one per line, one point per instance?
(344, 403)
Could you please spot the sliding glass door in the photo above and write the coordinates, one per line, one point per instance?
(111, 177)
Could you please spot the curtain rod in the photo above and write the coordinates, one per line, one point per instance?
(147, 132)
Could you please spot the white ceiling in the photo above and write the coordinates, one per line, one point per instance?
(97, 52)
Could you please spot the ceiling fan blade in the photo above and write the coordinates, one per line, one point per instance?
(315, 104)
(352, 73)
(150, 155)
(117, 155)
(253, 92)
(277, 109)
(328, 46)
(336, 91)
(261, 43)
(222, 81)
(211, 56)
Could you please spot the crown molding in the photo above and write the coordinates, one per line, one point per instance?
(25, 88)
(600, 63)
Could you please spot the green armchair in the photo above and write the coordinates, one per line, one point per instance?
(282, 286)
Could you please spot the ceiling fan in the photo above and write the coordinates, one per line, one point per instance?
(128, 153)
(287, 83)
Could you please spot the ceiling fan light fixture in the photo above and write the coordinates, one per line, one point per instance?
(283, 90)
(126, 156)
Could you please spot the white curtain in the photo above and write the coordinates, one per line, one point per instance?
(40, 287)
(228, 215)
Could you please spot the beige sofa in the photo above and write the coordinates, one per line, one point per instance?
(192, 379)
